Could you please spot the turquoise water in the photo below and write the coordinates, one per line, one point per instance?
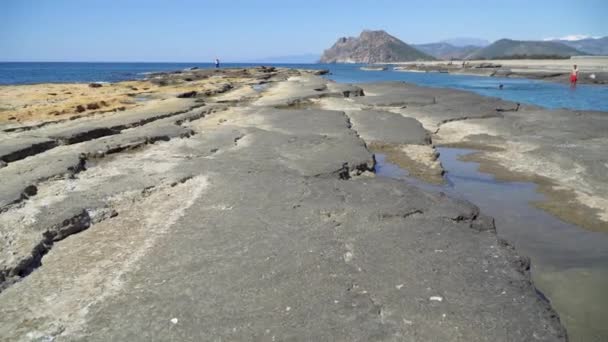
(544, 94)
(540, 93)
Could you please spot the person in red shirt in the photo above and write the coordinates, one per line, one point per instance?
(574, 76)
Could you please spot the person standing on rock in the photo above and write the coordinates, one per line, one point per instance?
(217, 63)
(574, 76)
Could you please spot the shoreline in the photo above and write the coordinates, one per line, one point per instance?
(592, 70)
(234, 139)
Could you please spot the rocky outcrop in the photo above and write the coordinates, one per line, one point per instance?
(372, 47)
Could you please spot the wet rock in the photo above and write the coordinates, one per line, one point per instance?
(483, 223)
(95, 85)
(187, 94)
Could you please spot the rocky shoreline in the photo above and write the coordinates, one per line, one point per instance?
(242, 204)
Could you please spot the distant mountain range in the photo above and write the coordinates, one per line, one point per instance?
(443, 50)
(507, 48)
(464, 42)
(381, 47)
(594, 46)
(372, 47)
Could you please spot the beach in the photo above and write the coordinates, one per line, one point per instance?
(245, 204)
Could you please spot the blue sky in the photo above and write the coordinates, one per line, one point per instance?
(198, 31)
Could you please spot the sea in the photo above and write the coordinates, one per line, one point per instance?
(535, 92)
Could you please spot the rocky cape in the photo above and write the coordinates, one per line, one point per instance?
(372, 47)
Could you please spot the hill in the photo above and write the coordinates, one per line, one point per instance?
(466, 41)
(372, 47)
(446, 51)
(507, 48)
(592, 46)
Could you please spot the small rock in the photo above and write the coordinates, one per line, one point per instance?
(348, 256)
(30, 190)
(95, 85)
(80, 109)
(436, 298)
(399, 286)
(2, 164)
(174, 320)
(288, 308)
(93, 105)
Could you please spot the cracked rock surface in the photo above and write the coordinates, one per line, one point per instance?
(253, 219)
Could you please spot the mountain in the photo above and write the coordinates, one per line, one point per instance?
(465, 41)
(291, 59)
(507, 48)
(592, 46)
(372, 47)
(446, 51)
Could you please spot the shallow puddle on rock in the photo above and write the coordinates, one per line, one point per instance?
(260, 87)
(142, 98)
(569, 264)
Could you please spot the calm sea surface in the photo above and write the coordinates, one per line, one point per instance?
(545, 94)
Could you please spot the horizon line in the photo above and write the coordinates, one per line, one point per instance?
(157, 62)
